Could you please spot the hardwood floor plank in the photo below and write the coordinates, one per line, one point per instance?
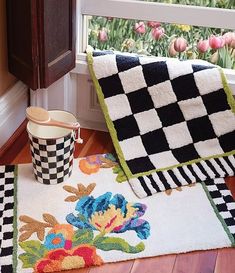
(196, 262)
(225, 262)
(109, 148)
(15, 147)
(100, 143)
(87, 143)
(121, 267)
(24, 156)
(162, 264)
(85, 135)
(6, 151)
(230, 181)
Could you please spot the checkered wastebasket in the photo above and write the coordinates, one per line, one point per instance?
(52, 149)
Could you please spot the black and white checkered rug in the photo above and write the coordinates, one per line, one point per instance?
(223, 200)
(170, 120)
(7, 175)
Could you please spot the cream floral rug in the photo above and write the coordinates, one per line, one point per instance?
(93, 219)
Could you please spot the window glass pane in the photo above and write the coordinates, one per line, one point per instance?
(226, 4)
(162, 39)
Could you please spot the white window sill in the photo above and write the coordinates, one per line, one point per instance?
(82, 68)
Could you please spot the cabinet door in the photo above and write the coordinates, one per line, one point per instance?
(57, 31)
(41, 40)
(22, 41)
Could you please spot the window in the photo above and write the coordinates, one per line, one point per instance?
(170, 13)
(204, 3)
(143, 35)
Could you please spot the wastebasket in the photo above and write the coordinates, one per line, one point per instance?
(52, 149)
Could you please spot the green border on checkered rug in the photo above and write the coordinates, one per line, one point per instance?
(113, 133)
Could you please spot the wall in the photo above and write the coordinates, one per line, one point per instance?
(6, 79)
(13, 93)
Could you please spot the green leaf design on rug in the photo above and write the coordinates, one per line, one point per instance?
(121, 177)
(108, 243)
(28, 260)
(34, 251)
(82, 236)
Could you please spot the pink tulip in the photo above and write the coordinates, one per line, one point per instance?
(229, 38)
(171, 49)
(216, 42)
(222, 41)
(140, 27)
(180, 44)
(232, 44)
(102, 35)
(203, 46)
(153, 24)
(158, 33)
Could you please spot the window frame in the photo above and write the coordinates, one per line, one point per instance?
(161, 12)
(150, 11)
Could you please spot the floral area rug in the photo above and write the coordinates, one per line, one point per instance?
(91, 219)
(172, 122)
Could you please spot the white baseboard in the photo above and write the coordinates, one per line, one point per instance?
(60, 95)
(12, 110)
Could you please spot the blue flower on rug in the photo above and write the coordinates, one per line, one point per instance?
(53, 241)
(108, 214)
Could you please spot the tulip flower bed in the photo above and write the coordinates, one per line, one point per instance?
(161, 39)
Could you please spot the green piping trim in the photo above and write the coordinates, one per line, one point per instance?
(113, 132)
(184, 164)
(228, 91)
(230, 236)
(15, 229)
(109, 122)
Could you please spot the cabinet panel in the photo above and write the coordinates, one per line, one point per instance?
(22, 41)
(41, 40)
(57, 24)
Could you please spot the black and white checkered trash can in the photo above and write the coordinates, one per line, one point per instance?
(52, 149)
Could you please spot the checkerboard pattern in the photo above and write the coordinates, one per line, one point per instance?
(6, 217)
(52, 158)
(223, 201)
(165, 111)
(204, 170)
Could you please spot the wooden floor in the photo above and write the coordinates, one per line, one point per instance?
(217, 261)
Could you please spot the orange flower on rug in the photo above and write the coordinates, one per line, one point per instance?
(92, 164)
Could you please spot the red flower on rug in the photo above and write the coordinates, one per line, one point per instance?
(61, 259)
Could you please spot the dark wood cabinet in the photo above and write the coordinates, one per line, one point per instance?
(41, 40)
